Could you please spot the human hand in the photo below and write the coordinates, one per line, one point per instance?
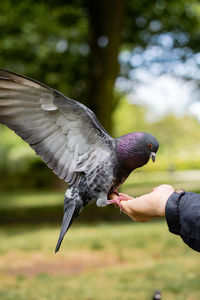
(146, 207)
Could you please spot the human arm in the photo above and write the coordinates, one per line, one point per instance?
(182, 211)
(183, 217)
(148, 206)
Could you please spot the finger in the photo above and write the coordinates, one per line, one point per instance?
(125, 196)
(112, 196)
(127, 206)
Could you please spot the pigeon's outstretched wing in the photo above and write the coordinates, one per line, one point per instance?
(62, 132)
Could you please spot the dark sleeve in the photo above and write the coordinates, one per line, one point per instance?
(183, 217)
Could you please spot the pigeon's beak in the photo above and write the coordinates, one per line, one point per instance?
(153, 156)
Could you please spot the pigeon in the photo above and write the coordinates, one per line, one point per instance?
(71, 141)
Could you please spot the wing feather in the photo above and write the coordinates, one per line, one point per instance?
(63, 132)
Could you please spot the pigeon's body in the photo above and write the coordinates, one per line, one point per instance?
(71, 141)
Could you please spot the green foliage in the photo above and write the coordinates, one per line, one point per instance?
(16, 155)
(178, 136)
(176, 17)
(45, 41)
(53, 42)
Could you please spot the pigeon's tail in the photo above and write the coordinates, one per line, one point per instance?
(70, 212)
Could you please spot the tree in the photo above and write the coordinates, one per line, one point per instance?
(73, 46)
(105, 40)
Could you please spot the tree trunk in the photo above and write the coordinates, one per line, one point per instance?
(106, 19)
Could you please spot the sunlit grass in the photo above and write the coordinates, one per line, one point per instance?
(105, 261)
(98, 261)
(137, 183)
(31, 198)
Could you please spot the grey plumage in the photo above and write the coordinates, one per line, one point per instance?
(69, 139)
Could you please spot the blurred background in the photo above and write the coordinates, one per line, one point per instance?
(136, 65)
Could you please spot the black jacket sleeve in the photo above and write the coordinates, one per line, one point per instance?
(183, 217)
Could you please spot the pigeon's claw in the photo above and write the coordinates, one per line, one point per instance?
(117, 203)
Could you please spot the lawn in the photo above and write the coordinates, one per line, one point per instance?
(25, 206)
(118, 261)
(97, 261)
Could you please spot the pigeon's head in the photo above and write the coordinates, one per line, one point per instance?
(134, 149)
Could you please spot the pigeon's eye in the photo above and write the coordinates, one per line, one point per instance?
(150, 145)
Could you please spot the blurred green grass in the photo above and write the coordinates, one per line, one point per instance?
(105, 261)
(97, 261)
(25, 206)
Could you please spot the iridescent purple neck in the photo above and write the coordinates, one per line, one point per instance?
(131, 150)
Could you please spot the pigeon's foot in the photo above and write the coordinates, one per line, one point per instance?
(116, 201)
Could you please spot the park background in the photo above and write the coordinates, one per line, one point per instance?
(136, 65)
